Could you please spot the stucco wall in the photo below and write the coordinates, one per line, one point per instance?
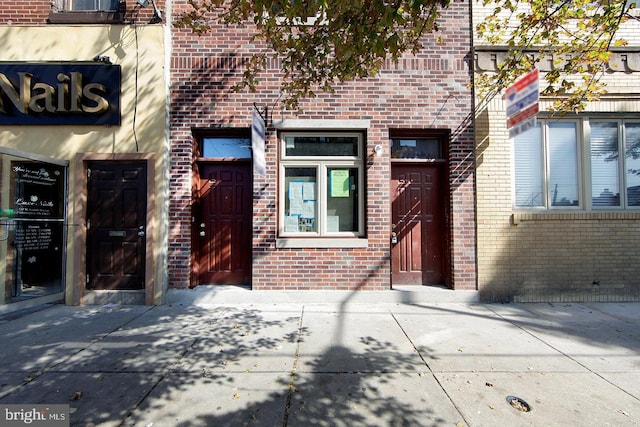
(138, 50)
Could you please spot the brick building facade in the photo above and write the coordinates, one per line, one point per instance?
(304, 232)
(370, 187)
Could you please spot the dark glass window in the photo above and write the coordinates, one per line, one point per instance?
(321, 146)
(423, 148)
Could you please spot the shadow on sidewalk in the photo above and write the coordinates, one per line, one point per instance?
(143, 365)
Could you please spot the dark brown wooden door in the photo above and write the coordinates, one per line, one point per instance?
(116, 225)
(224, 228)
(418, 223)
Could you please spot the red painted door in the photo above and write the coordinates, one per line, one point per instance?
(116, 224)
(417, 252)
(224, 227)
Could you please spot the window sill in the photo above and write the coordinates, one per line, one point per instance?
(93, 17)
(517, 218)
(327, 242)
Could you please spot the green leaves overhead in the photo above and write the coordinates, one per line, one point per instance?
(320, 43)
(578, 36)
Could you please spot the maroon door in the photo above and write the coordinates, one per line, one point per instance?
(116, 224)
(418, 226)
(224, 227)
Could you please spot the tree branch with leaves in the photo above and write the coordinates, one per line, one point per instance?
(578, 34)
(320, 43)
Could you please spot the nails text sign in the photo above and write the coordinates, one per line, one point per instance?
(65, 93)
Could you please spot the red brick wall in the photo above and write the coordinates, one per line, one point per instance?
(430, 90)
(36, 12)
(21, 12)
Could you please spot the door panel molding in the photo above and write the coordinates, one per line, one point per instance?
(418, 197)
(79, 229)
(222, 233)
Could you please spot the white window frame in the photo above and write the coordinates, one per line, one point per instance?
(587, 122)
(322, 164)
(67, 6)
(622, 160)
(584, 168)
(546, 170)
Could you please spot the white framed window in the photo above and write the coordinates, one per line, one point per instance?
(615, 178)
(549, 172)
(321, 191)
(86, 12)
(547, 166)
(90, 5)
(604, 156)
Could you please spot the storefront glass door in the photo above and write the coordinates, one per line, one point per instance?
(32, 225)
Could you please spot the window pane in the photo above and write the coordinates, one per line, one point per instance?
(415, 149)
(342, 199)
(605, 190)
(320, 146)
(300, 204)
(94, 4)
(563, 164)
(238, 148)
(528, 168)
(632, 162)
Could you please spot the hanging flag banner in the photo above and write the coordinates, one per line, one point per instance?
(257, 144)
(522, 100)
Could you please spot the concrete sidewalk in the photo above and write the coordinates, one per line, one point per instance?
(204, 362)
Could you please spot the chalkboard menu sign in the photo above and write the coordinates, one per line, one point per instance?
(39, 190)
(38, 213)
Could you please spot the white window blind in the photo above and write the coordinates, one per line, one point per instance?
(632, 163)
(529, 166)
(605, 181)
(563, 164)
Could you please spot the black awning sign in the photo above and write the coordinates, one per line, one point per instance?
(59, 94)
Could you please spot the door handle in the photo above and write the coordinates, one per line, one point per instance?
(141, 231)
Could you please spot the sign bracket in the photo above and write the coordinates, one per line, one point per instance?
(263, 112)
